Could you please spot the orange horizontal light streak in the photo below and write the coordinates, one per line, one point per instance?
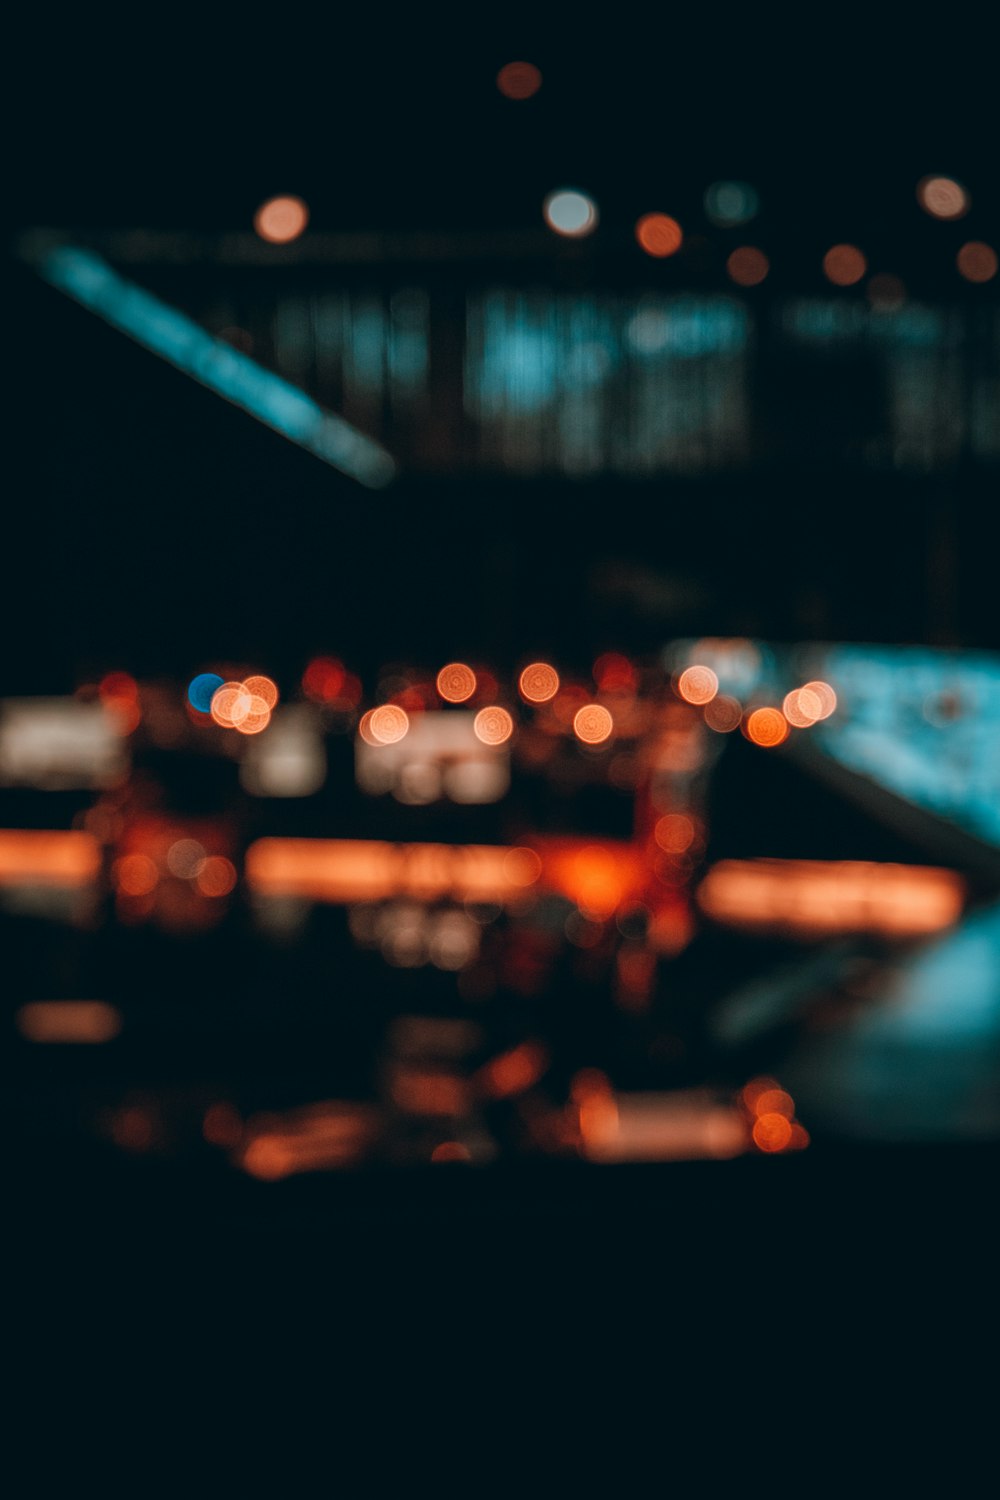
(309, 1139)
(342, 870)
(662, 1127)
(817, 897)
(35, 857)
(68, 1021)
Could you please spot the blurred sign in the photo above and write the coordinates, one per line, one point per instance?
(59, 744)
(439, 756)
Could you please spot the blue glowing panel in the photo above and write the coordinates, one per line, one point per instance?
(923, 723)
(213, 363)
(588, 384)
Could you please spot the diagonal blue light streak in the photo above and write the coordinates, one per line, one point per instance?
(176, 338)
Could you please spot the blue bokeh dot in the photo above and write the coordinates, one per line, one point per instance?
(202, 689)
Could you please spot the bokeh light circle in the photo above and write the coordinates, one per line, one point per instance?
(659, 235)
(698, 684)
(825, 695)
(281, 220)
(216, 877)
(675, 833)
(201, 690)
(570, 213)
(747, 266)
(730, 203)
(388, 724)
(493, 725)
(844, 265)
(456, 682)
(767, 727)
(942, 197)
(977, 261)
(592, 724)
(538, 682)
(230, 704)
(519, 80)
(263, 687)
(723, 714)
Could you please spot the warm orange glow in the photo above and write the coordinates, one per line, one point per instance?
(281, 219)
(698, 684)
(592, 724)
(753, 1090)
(342, 870)
(513, 1072)
(772, 1132)
(942, 197)
(774, 1102)
(748, 266)
(723, 714)
(816, 897)
(659, 235)
(674, 833)
(68, 1021)
(308, 1139)
(493, 725)
(451, 1151)
(844, 265)
(365, 729)
(265, 688)
(767, 727)
(120, 695)
(216, 876)
(522, 867)
(823, 693)
(456, 682)
(230, 704)
(257, 717)
(802, 707)
(977, 261)
(388, 724)
(519, 80)
(135, 875)
(538, 682)
(34, 857)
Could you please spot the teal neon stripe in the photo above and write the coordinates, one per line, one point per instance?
(176, 338)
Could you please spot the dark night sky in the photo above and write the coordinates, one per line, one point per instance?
(121, 538)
